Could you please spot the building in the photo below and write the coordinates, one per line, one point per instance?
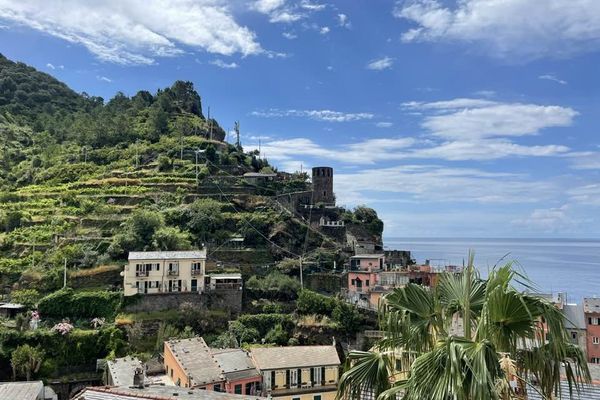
(298, 372)
(575, 324)
(363, 275)
(395, 259)
(224, 282)
(192, 364)
(33, 390)
(155, 392)
(591, 309)
(259, 178)
(126, 371)
(153, 272)
(241, 376)
(10, 310)
(189, 363)
(322, 185)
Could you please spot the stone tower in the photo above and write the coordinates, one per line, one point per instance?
(322, 181)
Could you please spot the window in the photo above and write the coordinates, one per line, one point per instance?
(316, 376)
(595, 340)
(317, 397)
(595, 360)
(217, 387)
(171, 372)
(574, 335)
(273, 382)
(250, 388)
(237, 389)
(352, 282)
(367, 282)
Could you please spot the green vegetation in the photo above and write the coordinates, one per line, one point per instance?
(86, 304)
(478, 363)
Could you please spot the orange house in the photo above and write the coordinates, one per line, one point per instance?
(190, 363)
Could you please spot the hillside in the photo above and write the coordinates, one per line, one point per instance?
(84, 181)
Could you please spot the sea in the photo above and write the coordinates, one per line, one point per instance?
(571, 266)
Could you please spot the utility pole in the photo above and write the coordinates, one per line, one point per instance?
(301, 277)
(65, 275)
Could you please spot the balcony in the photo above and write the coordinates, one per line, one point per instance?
(196, 272)
(141, 273)
(173, 272)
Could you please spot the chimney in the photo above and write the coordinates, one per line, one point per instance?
(138, 378)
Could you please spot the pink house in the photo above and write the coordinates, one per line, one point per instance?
(364, 272)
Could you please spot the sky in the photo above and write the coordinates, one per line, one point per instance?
(457, 118)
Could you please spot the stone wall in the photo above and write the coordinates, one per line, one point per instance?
(221, 299)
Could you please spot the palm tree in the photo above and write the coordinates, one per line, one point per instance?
(508, 339)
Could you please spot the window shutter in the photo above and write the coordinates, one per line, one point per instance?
(287, 378)
(312, 376)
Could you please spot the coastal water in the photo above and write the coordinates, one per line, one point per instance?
(555, 265)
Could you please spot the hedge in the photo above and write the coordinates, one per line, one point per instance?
(79, 347)
(89, 304)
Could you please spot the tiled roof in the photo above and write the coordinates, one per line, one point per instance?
(236, 363)
(21, 390)
(157, 393)
(591, 305)
(588, 392)
(122, 370)
(368, 256)
(167, 255)
(197, 361)
(267, 358)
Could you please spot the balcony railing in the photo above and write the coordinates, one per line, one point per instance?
(141, 273)
(196, 272)
(173, 272)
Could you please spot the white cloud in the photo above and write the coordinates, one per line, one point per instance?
(321, 115)
(329, 68)
(478, 118)
(522, 29)
(267, 6)
(551, 220)
(583, 160)
(137, 31)
(380, 64)
(384, 124)
(222, 64)
(324, 30)
(307, 5)
(286, 12)
(435, 183)
(289, 35)
(52, 66)
(343, 21)
(104, 79)
(587, 194)
(553, 78)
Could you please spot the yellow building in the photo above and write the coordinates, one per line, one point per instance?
(298, 372)
(164, 272)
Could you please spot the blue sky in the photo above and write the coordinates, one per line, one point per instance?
(471, 118)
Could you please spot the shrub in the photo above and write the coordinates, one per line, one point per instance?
(263, 323)
(90, 304)
(27, 297)
(277, 335)
(310, 302)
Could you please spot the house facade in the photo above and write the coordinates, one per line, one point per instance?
(298, 372)
(190, 363)
(150, 272)
(591, 309)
